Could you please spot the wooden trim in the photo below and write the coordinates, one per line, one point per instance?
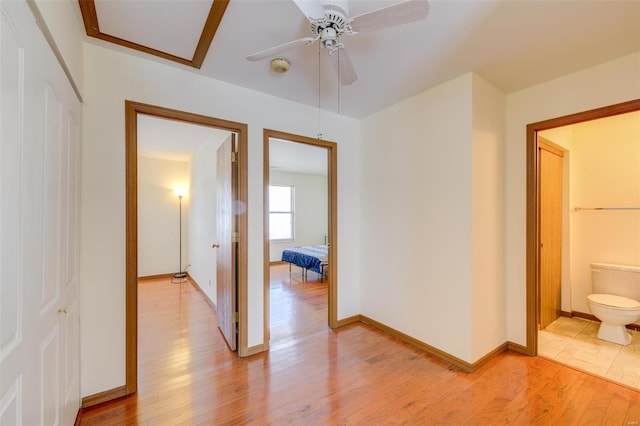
(517, 348)
(593, 114)
(132, 109)
(532, 243)
(348, 320)
(457, 362)
(157, 277)
(550, 146)
(266, 243)
(204, 295)
(89, 17)
(242, 259)
(194, 283)
(332, 216)
(565, 314)
(583, 315)
(332, 162)
(209, 31)
(591, 317)
(105, 396)
(253, 350)
(532, 220)
(141, 48)
(218, 8)
(276, 134)
(131, 250)
(488, 357)
(277, 262)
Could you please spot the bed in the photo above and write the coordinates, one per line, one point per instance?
(309, 258)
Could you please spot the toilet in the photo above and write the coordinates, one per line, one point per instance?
(615, 300)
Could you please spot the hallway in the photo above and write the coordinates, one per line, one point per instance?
(352, 375)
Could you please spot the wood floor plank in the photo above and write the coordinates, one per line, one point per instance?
(353, 375)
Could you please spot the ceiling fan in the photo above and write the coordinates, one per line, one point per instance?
(330, 20)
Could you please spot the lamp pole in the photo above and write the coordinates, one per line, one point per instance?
(180, 274)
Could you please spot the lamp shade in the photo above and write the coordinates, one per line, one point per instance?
(180, 191)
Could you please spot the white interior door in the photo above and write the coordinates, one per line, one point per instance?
(39, 131)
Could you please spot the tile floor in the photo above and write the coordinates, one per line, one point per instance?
(574, 342)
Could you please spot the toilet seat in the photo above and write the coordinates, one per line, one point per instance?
(613, 301)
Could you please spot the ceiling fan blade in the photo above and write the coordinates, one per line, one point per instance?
(343, 66)
(281, 48)
(312, 9)
(396, 14)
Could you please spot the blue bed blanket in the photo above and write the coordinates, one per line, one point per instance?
(309, 257)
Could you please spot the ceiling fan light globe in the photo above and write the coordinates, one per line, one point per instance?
(279, 65)
(329, 44)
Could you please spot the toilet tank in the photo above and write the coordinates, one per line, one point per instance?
(621, 280)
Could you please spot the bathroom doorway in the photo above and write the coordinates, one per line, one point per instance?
(533, 228)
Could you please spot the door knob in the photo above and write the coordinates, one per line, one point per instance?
(215, 245)
(62, 310)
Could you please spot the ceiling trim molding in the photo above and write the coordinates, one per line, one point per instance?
(218, 7)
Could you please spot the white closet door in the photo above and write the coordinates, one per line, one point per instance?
(39, 135)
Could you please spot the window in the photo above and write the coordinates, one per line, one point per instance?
(281, 212)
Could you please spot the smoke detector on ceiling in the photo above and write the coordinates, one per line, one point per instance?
(279, 65)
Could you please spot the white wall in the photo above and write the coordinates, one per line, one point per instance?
(202, 223)
(415, 229)
(64, 21)
(432, 217)
(311, 206)
(159, 216)
(488, 318)
(605, 173)
(112, 77)
(606, 84)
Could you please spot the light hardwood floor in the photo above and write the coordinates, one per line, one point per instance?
(354, 375)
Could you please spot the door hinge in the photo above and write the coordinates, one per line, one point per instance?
(234, 157)
(234, 237)
(235, 317)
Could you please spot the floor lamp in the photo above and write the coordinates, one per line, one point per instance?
(181, 276)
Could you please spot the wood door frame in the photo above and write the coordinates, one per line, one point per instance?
(132, 109)
(533, 220)
(332, 178)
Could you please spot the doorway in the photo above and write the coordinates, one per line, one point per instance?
(533, 227)
(132, 111)
(331, 230)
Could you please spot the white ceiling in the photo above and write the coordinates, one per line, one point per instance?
(511, 43)
(147, 23)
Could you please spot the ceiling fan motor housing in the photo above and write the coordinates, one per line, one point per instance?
(329, 28)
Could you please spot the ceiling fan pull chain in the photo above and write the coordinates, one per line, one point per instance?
(319, 94)
(339, 69)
